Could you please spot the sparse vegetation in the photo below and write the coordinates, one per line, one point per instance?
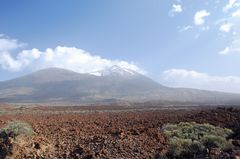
(70, 132)
(2, 111)
(18, 128)
(188, 139)
(9, 132)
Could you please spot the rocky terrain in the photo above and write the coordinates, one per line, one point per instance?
(80, 132)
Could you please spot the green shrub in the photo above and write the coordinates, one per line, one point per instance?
(18, 128)
(190, 138)
(176, 145)
(215, 141)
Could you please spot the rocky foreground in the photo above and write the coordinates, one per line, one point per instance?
(76, 133)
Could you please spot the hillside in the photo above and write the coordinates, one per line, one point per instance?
(114, 84)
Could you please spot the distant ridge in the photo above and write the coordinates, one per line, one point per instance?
(113, 84)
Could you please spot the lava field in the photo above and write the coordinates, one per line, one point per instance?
(76, 133)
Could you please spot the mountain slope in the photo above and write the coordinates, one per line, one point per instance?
(108, 85)
(56, 84)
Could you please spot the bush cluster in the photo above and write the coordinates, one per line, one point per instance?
(10, 131)
(191, 139)
(18, 128)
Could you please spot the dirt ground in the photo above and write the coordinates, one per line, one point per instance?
(107, 132)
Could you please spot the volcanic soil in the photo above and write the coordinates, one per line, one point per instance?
(76, 132)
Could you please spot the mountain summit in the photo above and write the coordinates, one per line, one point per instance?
(109, 85)
(116, 71)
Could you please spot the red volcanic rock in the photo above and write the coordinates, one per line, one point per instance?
(110, 134)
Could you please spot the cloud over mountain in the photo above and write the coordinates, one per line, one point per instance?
(71, 58)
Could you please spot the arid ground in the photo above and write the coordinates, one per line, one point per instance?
(107, 132)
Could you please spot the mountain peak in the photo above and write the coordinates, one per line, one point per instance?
(115, 70)
(114, 67)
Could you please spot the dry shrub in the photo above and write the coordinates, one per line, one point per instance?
(189, 139)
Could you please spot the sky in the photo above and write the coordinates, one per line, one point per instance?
(178, 43)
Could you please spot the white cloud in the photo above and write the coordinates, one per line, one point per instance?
(199, 17)
(63, 57)
(225, 51)
(226, 27)
(236, 13)
(231, 23)
(7, 44)
(185, 28)
(7, 62)
(194, 79)
(234, 47)
(176, 8)
(231, 4)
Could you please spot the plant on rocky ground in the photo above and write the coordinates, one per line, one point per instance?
(9, 132)
(189, 139)
(2, 111)
(18, 128)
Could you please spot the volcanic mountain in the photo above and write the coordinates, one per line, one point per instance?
(113, 84)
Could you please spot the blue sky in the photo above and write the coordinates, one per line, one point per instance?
(179, 43)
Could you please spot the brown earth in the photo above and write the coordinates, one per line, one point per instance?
(83, 132)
